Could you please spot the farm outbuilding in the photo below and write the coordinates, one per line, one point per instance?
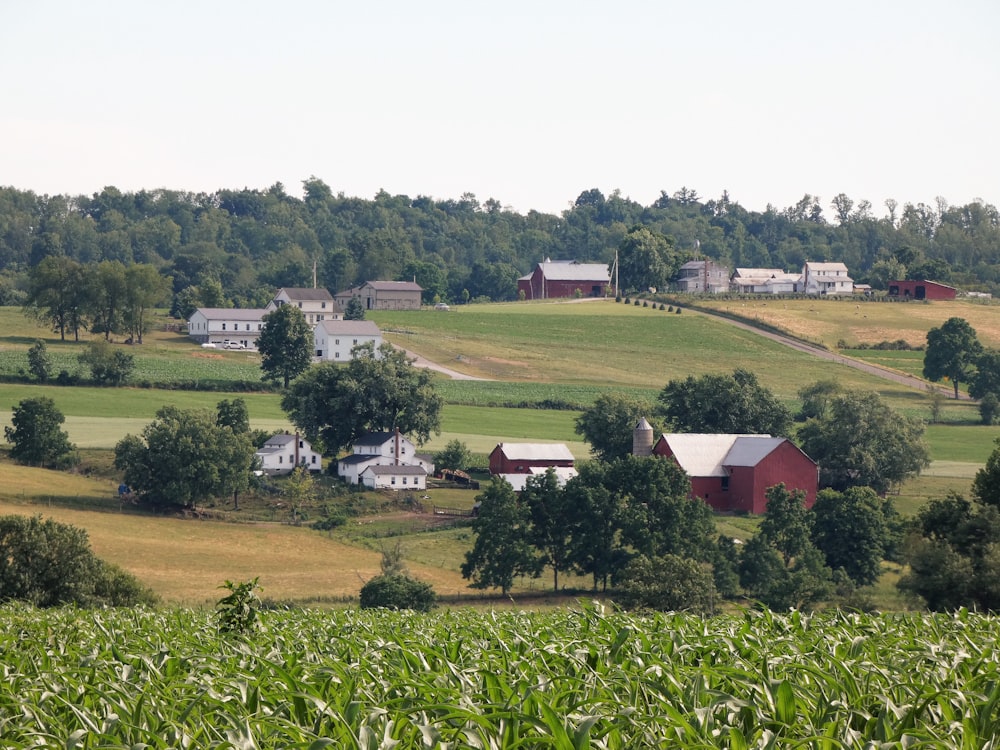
(384, 295)
(921, 290)
(562, 279)
(522, 458)
(732, 473)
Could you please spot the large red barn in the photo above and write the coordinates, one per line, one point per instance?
(921, 290)
(733, 472)
(565, 279)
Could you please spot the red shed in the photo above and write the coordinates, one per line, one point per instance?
(521, 458)
(733, 472)
(921, 290)
(565, 278)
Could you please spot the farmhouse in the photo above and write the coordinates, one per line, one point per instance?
(732, 473)
(393, 477)
(334, 340)
(215, 325)
(383, 449)
(764, 281)
(283, 452)
(315, 304)
(384, 295)
(522, 458)
(703, 276)
(921, 290)
(825, 279)
(564, 279)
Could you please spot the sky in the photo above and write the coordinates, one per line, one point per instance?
(529, 103)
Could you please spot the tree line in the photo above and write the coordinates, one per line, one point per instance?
(234, 247)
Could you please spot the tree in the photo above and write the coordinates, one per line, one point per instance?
(851, 530)
(56, 294)
(355, 309)
(986, 379)
(787, 523)
(233, 414)
(48, 564)
(107, 364)
(989, 408)
(107, 290)
(145, 287)
(36, 436)
(646, 258)
(668, 583)
(951, 353)
(986, 484)
(862, 442)
(597, 546)
(456, 455)
(337, 404)
(285, 344)
(608, 424)
(501, 551)
(39, 363)
(397, 591)
(816, 398)
(551, 521)
(729, 404)
(183, 457)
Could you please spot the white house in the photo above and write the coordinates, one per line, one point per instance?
(825, 279)
(215, 325)
(764, 281)
(283, 452)
(381, 449)
(334, 339)
(394, 477)
(316, 304)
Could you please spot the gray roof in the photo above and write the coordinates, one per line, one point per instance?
(556, 271)
(350, 327)
(535, 451)
(359, 458)
(397, 469)
(751, 450)
(396, 286)
(702, 455)
(305, 293)
(375, 438)
(232, 313)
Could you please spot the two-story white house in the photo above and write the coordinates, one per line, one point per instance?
(283, 452)
(216, 325)
(825, 279)
(334, 339)
(316, 305)
(383, 449)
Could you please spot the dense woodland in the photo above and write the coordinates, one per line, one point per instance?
(250, 242)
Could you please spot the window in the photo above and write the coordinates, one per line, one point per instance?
(337, 355)
(355, 342)
(314, 458)
(322, 305)
(248, 326)
(337, 342)
(404, 480)
(300, 305)
(223, 326)
(393, 480)
(281, 459)
(725, 483)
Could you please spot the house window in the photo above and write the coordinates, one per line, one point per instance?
(393, 480)
(355, 342)
(337, 355)
(404, 480)
(281, 459)
(322, 305)
(313, 459)
(319, 353)
(337, 342)
(248, 326)
(223, 326)
(300, 305)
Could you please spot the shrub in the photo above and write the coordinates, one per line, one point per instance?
(989, 408)
(678, 311)
(397, 592)
(667, 583)
(239, 611)
(636, 303)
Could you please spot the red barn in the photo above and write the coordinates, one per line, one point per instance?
(521, 458)
(565, 279)
(733, 472)
(921, 290)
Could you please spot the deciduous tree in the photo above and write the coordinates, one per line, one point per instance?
(501, 551)
(39, 363)
(108, 365)
(851, 530)
(285, 344)
(36, 435)
(952, 351)
(608, 425)
(735, 403)
(552, 522)
(646, 258)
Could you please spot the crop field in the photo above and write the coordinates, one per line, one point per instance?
(568, 679)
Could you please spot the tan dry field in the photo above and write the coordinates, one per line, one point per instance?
(828, 321)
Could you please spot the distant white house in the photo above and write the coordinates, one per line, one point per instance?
(283, 452)
(316, 304)
(764, 281)
(382, 449)
(215, 325)
(394, 477)
(334, 339)
(825, 279)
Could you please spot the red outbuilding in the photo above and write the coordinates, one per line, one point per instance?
(521, 458)
(921, 290)
(732, 473)
(554, 279)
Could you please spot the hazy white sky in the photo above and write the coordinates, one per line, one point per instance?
(529, 102)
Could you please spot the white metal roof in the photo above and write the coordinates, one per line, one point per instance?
(536, 451)
(555, 271)
(350, 327)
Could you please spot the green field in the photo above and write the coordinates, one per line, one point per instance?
(579, 677)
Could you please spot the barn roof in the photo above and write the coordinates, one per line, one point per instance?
(232, 313)
(709, 455)
(821, 267)
(573, 271)
(535, 451)
(350, 327)
(750, 450)
(395, 286)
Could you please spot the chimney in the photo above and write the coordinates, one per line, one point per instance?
(296, 449)
(397, 445)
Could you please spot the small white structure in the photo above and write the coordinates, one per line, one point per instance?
(825, 279)
(333, 340)
(394, 477)
(282, 453)
(316, 304)
(217, 325)
(764, 281)
(517, 481)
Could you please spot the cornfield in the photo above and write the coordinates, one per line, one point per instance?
(586, 678)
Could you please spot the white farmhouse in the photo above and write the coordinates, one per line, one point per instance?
(334, 339)
(382, 449)
(393, 477)
(283, 452)
(825, 279)
(215, 325)
(316, 304)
